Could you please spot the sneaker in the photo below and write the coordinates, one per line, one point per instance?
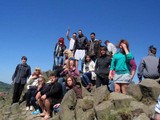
(36, 112)
(27, 108)
(31, 108)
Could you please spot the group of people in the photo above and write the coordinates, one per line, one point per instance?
(85, 63)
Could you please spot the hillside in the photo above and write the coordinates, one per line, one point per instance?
(4, 87)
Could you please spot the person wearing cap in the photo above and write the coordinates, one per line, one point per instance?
(148, 67)
(80, 48)
(58, 52)
(111, 47)
(19, 78)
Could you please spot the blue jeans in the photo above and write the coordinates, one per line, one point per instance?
(58, 60)
(86, 78)
(111, 85)
(61, 80)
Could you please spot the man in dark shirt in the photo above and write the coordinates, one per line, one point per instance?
(80, 47)
(19, 78)
(51, 96)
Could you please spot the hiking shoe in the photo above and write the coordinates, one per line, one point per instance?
(31, 108)
(27, 108)
(36, 112)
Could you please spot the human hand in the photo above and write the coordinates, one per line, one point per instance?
(123, 45)
(68, 29)
(110, 77)
(43, 97)
(33, 77)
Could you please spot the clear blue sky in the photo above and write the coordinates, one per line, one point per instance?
(32, 27)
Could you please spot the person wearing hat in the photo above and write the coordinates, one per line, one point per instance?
(19, 78)
(58, 53)
(148, 67)
(111, 47)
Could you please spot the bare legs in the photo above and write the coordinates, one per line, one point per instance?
(120, 87)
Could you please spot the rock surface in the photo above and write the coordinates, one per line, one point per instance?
(98, 104)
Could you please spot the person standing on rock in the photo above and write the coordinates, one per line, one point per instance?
(110, 47)
(71, 40)
(80, 49)
(102, 68)
(121, 65)
(58, 53)
(19, 78)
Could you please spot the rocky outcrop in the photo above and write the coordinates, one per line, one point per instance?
(99, 104)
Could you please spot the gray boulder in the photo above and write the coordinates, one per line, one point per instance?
(68, 106)
(103, 110)
(150, 89)
(100, 94)
(120, 100)
(135, 91)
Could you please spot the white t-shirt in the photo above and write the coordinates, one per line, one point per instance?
(71, 43)
(111, 48)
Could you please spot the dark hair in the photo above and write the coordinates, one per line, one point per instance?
(24, 57)
(80, 30)
(152, 49)
(85, 61)
(75, 33)
(93, 33)
(106, 41)
(73, 80)
(125, 42)
(103, 48)
(52, 74)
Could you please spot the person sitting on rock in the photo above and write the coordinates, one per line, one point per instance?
(71, 70)
(32, 83)
(148, 65)
(42, 85)
(50, 96)
(88, 72)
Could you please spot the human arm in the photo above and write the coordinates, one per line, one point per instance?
(133, 68)
(110, 76)
(15, 73)
(55, 89)
(67, 34)
(140, 70)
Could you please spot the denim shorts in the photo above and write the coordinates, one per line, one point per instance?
(122, 78)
